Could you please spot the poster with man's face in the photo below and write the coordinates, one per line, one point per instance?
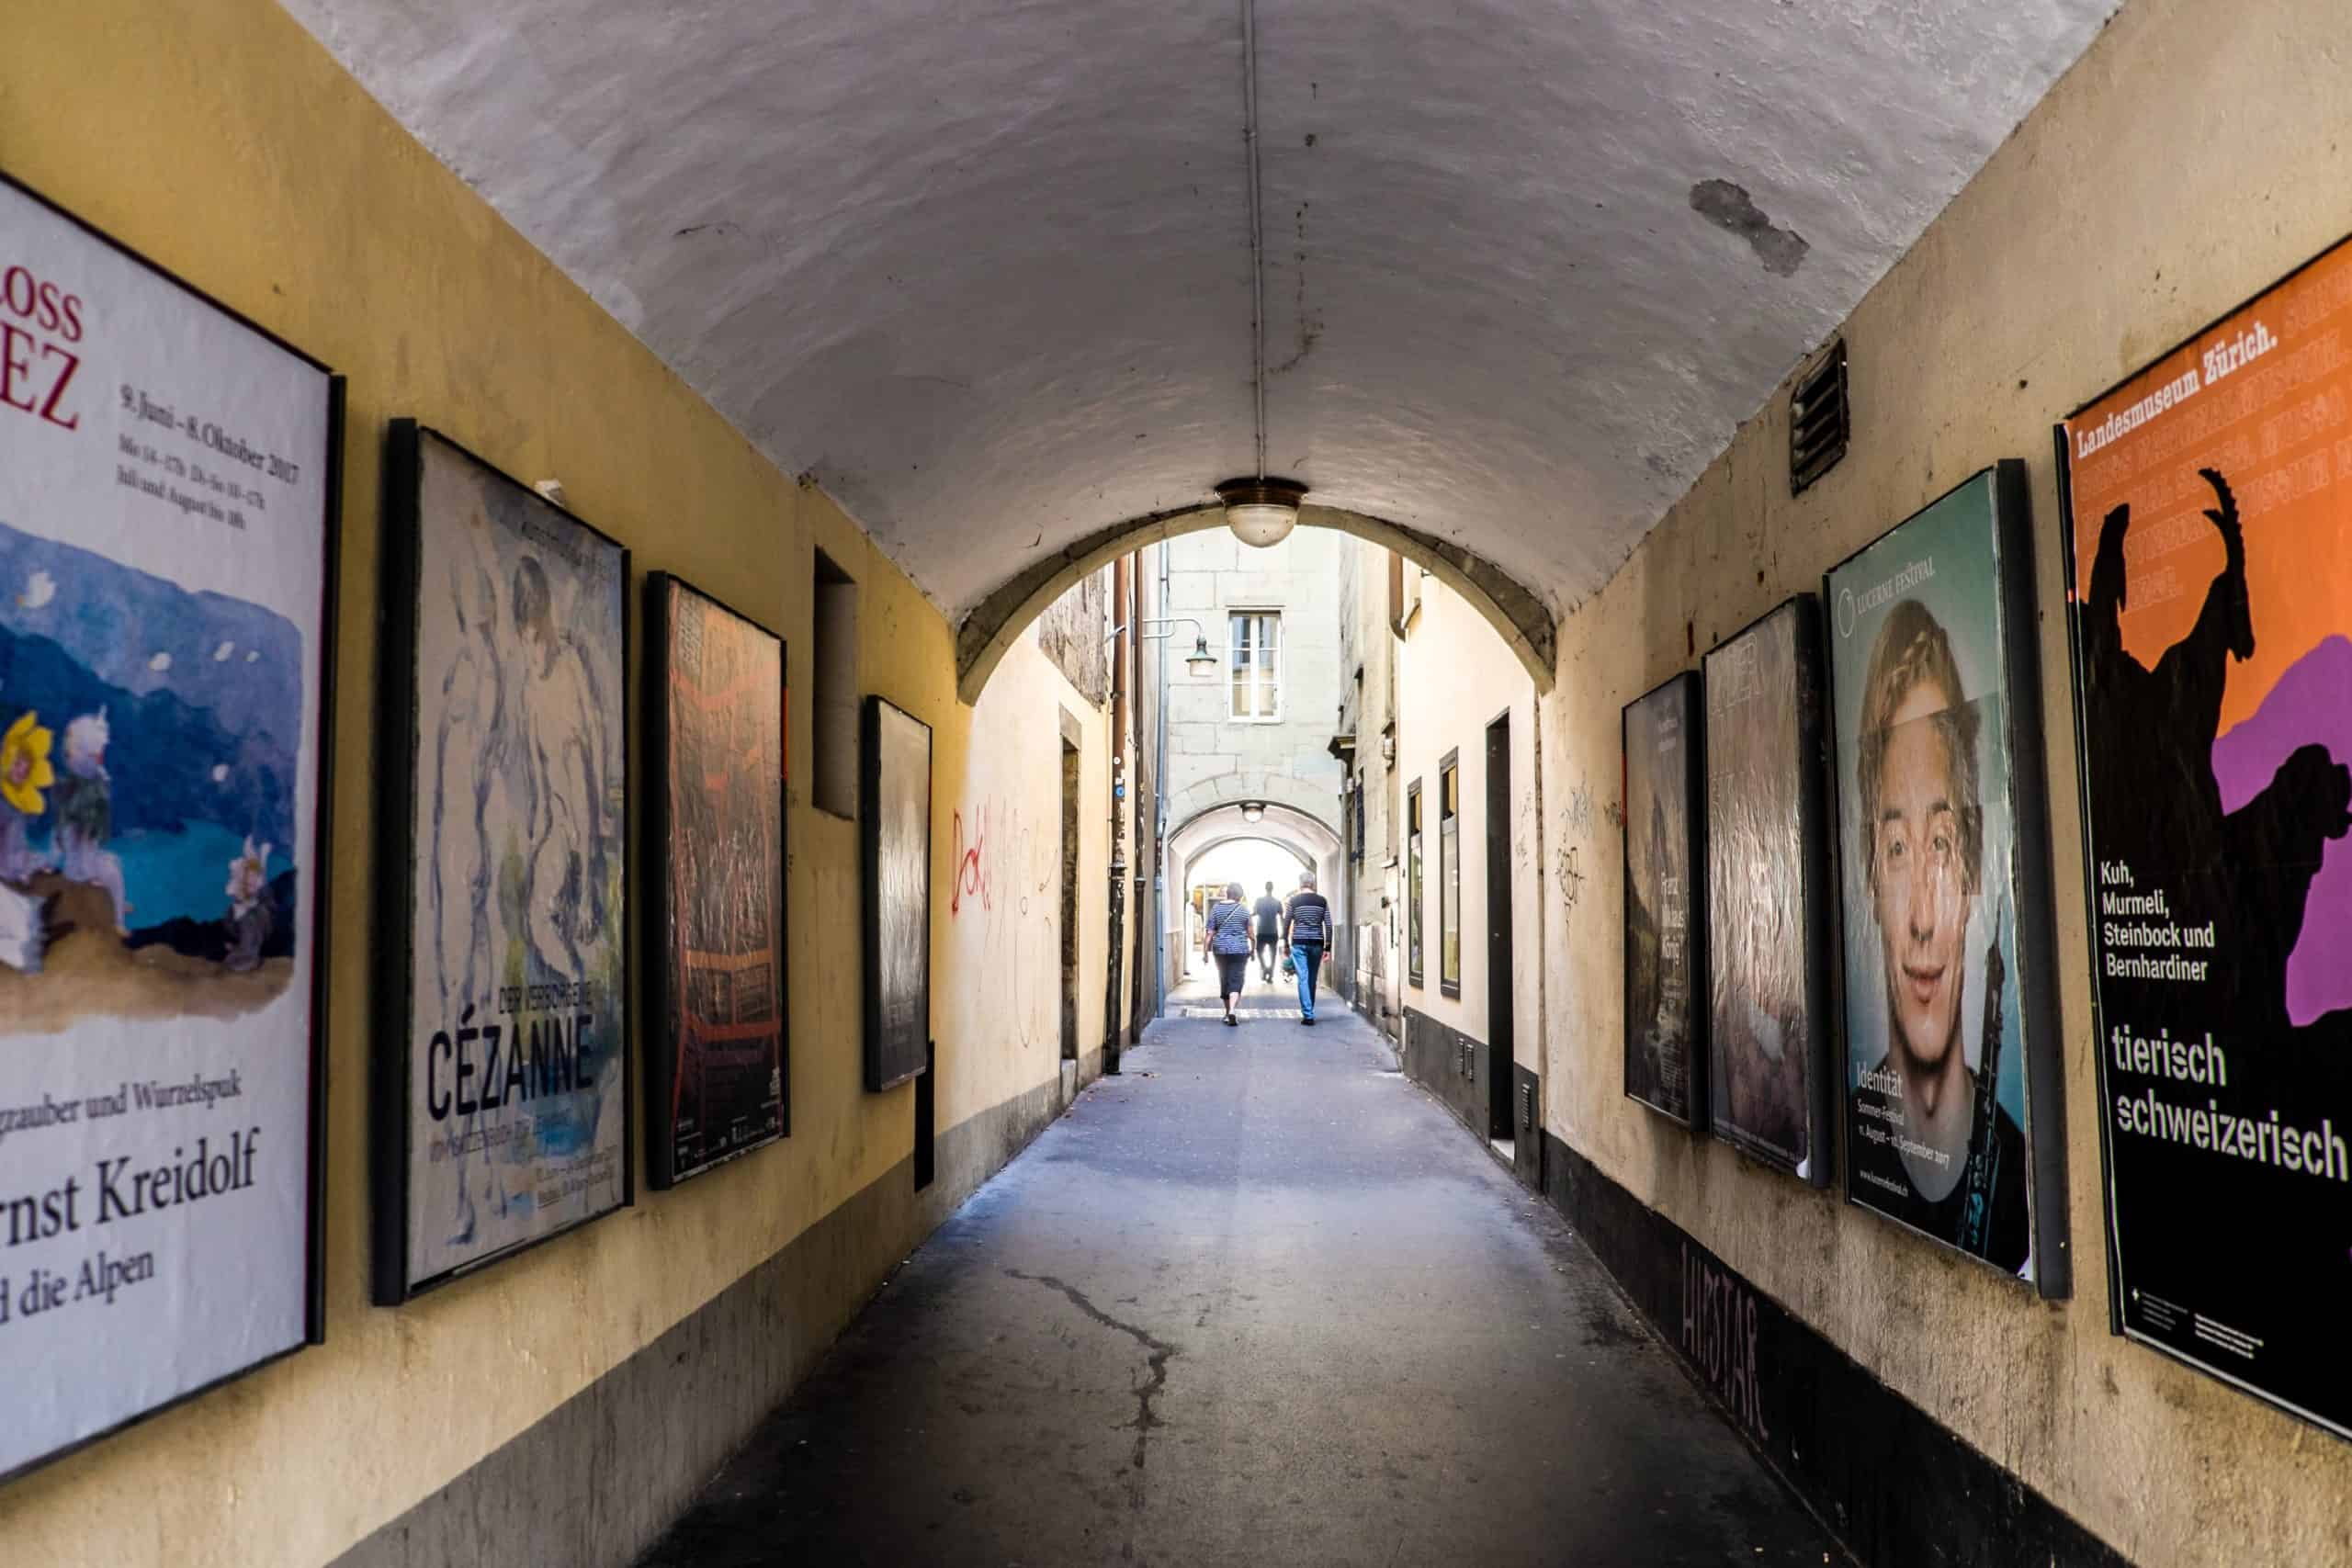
(1935, 1033)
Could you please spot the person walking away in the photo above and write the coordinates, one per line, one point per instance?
(1224, 937)
(1308, 922)
(1270, 931)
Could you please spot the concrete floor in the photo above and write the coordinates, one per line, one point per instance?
(1257, 1300)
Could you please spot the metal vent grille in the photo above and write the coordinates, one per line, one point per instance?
(1820, 419)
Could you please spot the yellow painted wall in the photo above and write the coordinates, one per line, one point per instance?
(218, 139)
(2199, 150)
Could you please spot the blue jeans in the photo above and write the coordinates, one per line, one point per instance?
(1306, 957)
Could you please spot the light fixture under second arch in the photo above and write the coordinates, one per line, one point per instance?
(1261, 512)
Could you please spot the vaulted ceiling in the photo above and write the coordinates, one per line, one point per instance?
(985, 268)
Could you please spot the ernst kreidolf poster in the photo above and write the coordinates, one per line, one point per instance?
(510, 1105)
(164, 520)
(2211, 528)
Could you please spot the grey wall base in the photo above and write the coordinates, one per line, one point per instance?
(1898, 1486)
(593, 1482)
(1450, 1064)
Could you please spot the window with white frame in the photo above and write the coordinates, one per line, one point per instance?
(1255, 665)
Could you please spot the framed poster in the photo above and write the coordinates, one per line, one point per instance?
(714, 883)
(2210, 583)
(1666, 964)
(502, 1093)
(1953, 1122)
(1767, 891)
(894, 843)
(169, 476)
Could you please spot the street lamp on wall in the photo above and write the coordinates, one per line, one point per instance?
(1199, 662)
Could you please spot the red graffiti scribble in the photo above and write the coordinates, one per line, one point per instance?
(971, 874)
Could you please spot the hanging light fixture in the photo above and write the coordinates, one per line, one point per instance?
(1199, 662)
(1261, 512)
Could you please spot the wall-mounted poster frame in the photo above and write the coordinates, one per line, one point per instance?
(894, 861)
(2209, 589)
(1663, 787)
(713, 893)
(1767, 894)
(502, 1081)
(170, 498)
(1954, 1121)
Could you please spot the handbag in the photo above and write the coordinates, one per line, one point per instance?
(1224, 931)
(1290, 969)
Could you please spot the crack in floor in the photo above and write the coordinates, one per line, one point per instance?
(1160, 1352)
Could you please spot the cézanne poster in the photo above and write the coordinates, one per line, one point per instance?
(507, 1097)
(2211, 570)
(165, 514)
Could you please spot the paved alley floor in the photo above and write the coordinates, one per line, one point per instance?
(1256, 1301)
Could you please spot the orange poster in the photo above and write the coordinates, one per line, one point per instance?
(2209, 512)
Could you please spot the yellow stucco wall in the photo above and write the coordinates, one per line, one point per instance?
(220, 139)
(2199, 150)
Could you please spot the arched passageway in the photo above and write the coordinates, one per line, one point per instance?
(883, 325)
(1309, 841)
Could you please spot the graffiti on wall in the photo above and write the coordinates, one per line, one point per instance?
(1719, 1317)
(970, 878)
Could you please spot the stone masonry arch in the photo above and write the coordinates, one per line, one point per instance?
(1519, 615)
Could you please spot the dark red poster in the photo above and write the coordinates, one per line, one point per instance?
(716, 947)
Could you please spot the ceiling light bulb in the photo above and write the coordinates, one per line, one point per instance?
(1261, 512)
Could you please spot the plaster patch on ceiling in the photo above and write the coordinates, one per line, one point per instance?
(1728, 206)
(950, 257)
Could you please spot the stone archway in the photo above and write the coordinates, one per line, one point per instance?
(1519, 615)
(1193, 833)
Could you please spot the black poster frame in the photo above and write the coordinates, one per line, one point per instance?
(889, 1062)
(1824, 1133)
(2019, 684)
(391, 1124)
(321, 871)
(2062, 451)
(662, 1002)
(1687, 687)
